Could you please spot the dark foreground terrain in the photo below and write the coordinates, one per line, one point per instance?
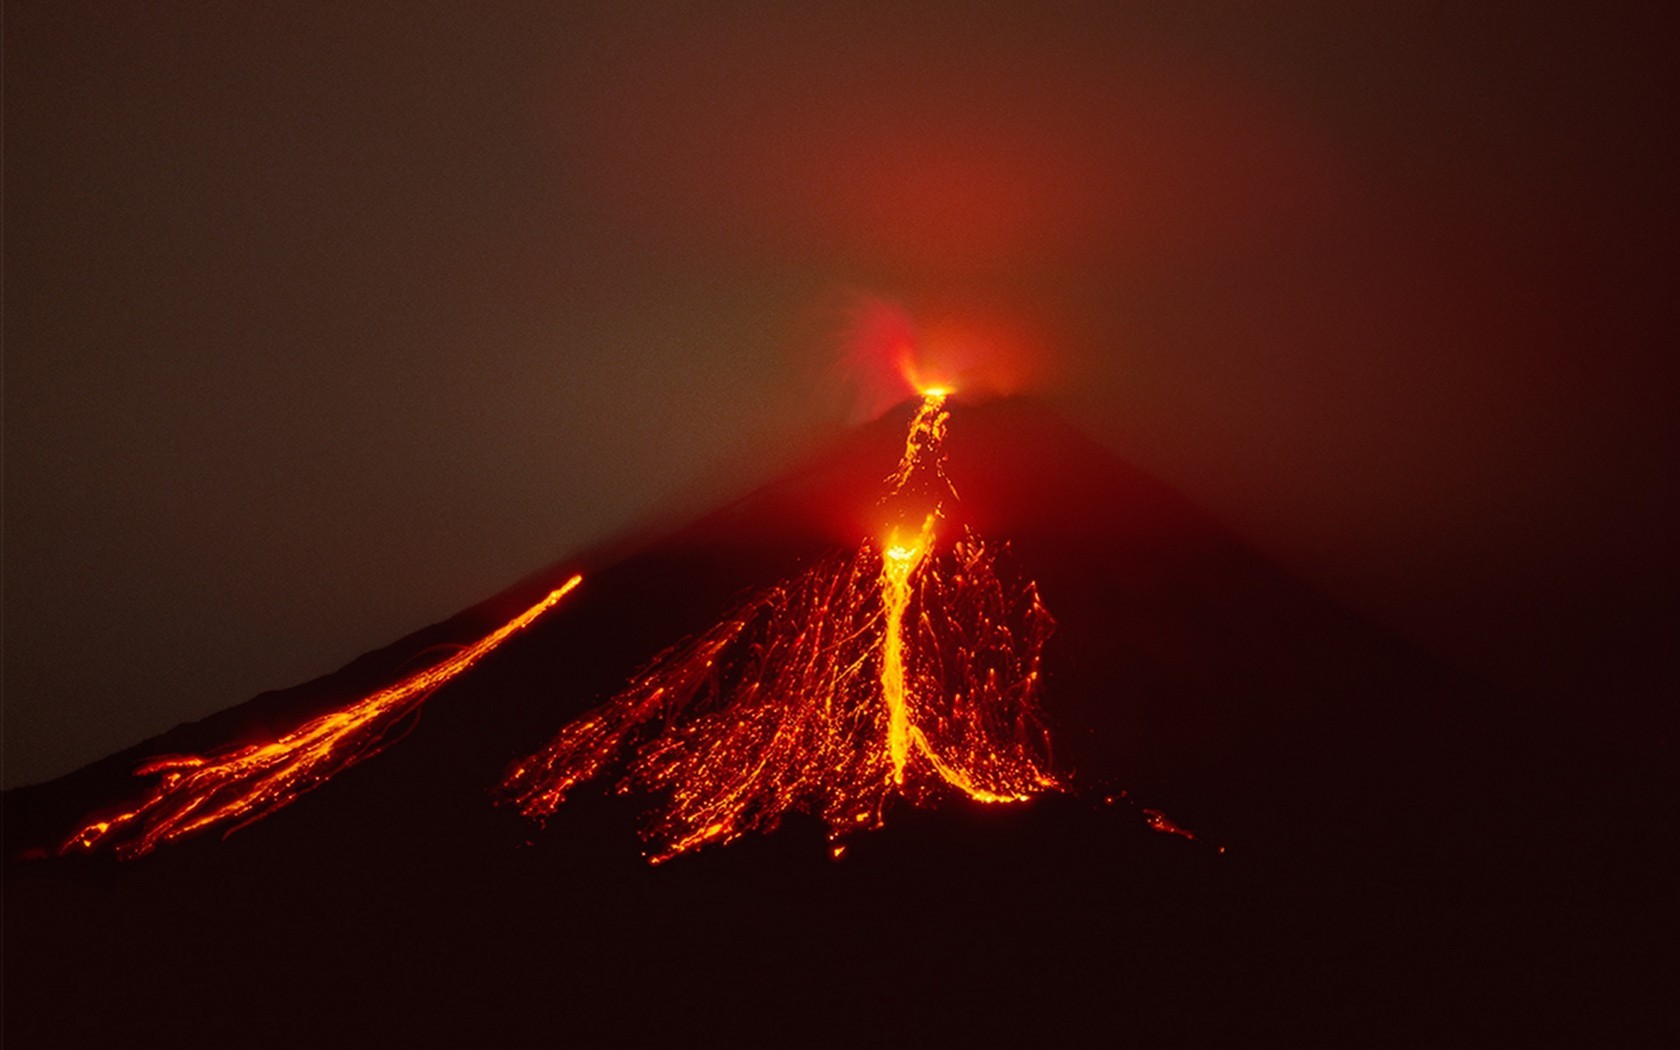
(1409, 858)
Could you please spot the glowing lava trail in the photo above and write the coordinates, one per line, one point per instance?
(897, 563)
(241, 785)
(898, 671)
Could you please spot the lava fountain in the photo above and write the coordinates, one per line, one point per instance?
(899, 670)
(240, 785)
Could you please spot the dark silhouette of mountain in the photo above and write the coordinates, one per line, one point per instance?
(1410, 857)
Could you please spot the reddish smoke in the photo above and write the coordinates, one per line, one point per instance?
(886, 355)
(972, 155)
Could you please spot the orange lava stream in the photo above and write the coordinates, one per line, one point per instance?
(245, 784)
(898, 563)
(923, 464)
(898, 671)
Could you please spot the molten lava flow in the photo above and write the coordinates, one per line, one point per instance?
(899, 670)
(896, 565)
(898, 562)
(245, 784)
(923, 464)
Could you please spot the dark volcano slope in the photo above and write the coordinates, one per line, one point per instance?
(1410, 857)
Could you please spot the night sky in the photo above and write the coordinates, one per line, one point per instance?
(326, 321)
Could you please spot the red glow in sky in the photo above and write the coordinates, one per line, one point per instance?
(887, 355)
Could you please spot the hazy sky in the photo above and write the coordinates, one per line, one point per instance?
(325, 321)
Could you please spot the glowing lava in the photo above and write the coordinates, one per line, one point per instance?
(244, 784)
(921, 471)
(898, 671)
(897, 563)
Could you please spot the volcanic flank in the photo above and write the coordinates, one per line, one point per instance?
(1406, 859)
(894, 672)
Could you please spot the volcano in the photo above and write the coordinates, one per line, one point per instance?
(1382, 850)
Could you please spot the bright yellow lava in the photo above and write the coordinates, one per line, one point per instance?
(898, 561)
(898, 671)
(244, 784)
